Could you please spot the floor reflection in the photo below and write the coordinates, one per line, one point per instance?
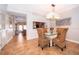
(20, 38)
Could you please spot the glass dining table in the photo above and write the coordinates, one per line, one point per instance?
(50, 36)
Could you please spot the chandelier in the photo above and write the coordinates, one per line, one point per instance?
(52, 15)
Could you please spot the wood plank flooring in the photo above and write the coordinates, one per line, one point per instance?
(20, 46)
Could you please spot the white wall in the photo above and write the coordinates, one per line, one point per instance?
(6, 33)
(3, 7)
(73, 32)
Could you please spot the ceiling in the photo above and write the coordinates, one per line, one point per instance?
(41, 9)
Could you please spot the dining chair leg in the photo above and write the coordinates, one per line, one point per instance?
(42, 48)
(61, 49)
(49, 44)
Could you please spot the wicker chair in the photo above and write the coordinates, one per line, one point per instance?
(42, 41)
(61, 36)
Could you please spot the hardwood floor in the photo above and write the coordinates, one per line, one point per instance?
(20, 46)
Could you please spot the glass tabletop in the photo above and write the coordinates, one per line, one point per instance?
(49, 33)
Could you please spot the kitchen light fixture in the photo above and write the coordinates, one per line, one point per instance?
(52, 15)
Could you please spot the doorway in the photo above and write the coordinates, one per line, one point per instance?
(20, 26)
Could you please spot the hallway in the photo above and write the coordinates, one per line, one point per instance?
(19, 45)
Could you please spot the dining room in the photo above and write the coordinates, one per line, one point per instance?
(49, 30)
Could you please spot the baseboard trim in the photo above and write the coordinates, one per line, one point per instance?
(72, 41)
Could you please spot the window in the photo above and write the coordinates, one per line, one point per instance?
(20, 27)
(24, 26)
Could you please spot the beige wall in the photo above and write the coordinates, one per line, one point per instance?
(73, 32)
